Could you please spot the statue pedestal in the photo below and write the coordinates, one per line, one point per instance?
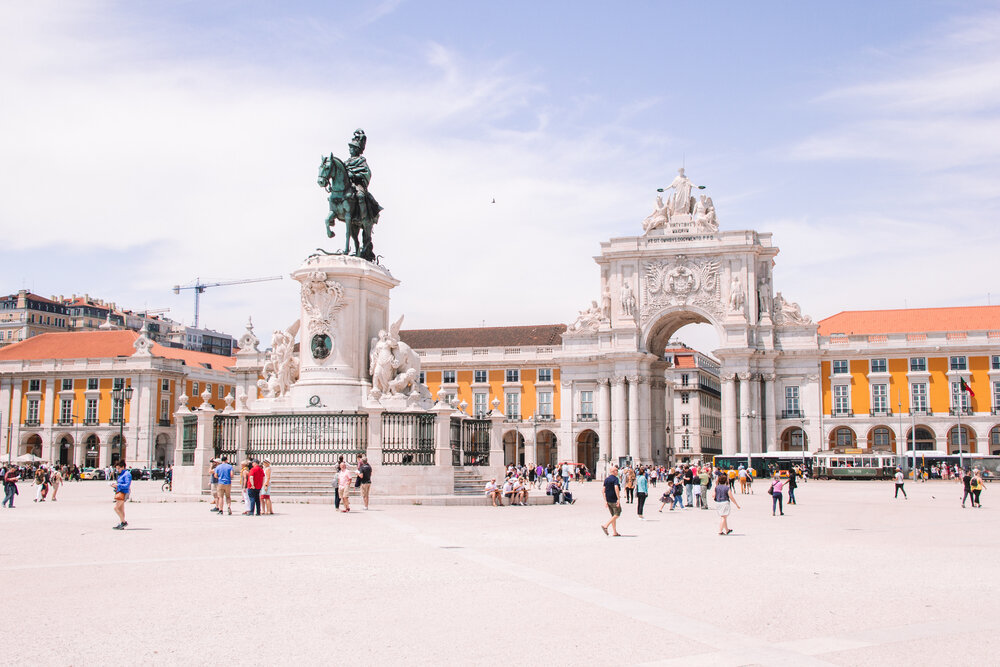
(344, 304)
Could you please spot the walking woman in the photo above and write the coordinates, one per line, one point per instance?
(791, 486)
(55, 481)
(976, 484)
(776, 486)
(629, 484)
(642, 489)
(122, 487)
(723, 498)
(265, 493)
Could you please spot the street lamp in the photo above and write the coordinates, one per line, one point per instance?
(751, 415)
(120, 398)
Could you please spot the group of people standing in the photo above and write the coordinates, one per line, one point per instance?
(255, 480)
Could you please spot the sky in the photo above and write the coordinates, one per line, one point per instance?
(144, 145)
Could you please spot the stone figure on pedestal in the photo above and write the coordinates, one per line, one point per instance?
(704, 214)
(656, 219)
(764, 295)
(350, 201)
(589, 319)
(606, 304)
(681, 201)
(281, 368)
(628, 299)
(788, 312)
(394, 366)
(736, 295)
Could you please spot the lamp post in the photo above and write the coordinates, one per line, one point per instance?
(751, 415)
(121, 398)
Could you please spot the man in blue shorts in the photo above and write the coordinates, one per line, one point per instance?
(224, 473)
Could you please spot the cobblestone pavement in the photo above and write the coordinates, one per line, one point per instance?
(849, 576)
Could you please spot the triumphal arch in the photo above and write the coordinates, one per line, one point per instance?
(681, 268)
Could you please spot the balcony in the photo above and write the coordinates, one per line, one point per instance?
(843, 413)
(91, 421)
(995, 410)
(586, 417)
(164, 422)
(543, 418)
(65, 422)
(965, 412)
(793, 414)
(880, 412)
(512, 419)
(116, 421)
(32, 422)
(921, 412)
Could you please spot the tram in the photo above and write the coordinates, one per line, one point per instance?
(841, 465)
(765, 464)
(926, 460)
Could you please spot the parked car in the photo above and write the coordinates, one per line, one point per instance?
(139, 473)
(155, 473)
(92, 473)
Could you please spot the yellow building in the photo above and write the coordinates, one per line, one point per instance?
(895, 376)
(56, 396)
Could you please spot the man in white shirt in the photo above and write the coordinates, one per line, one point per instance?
(508, 491)
(492, 492)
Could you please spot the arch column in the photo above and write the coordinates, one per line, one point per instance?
(770, 410)
(604, 418)
(729, 413)
(632, 448)
(619, 424)
(745, 429)
(641, 447)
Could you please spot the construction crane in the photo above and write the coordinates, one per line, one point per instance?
(200, 287)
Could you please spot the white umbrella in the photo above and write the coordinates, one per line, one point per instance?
(29, 458)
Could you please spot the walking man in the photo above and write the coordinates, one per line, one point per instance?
(9, 486)
(612, 499)
(122, 486)
(223, 473)
(365, 477)
(344, 487)
(899, 484)
(254, 484)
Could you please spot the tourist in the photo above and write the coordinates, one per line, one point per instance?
(723, 498)
(244, 480)
(214, 485)
(520, 491)
(55, 481)
(898, 478)
(791, 486)
(966, 477)
(336, 482)
(540, 475)
(976, 484)
(678, 491)
(743, 479)
(776, 486)
(629, 474)
(255, 482)
(364, 478)
(612, 500)
(688, 476)
(9, 486)
(492, 492)
(652, 476)
(642, 489)
(567, 470)
(265, 493)
(122, 486)
(344, 487)
(223, 474)
(704, 484)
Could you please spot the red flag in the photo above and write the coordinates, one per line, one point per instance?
(965, 387)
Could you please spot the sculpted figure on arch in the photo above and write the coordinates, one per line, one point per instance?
(681, 201)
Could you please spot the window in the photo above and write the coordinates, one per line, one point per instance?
(194, 389)
(879, 366)
(66, 411)
(164, 385)
(685, 441)
(513, 405)
(91, 414)
(34, 385)
(67, 384)
(685, 398)
(119, 383)
(545, 375)
(996, 396)
(918, 364)
(918, 397)
(32, 417)
(92, 384)
(479, 377)
(513, 375)
(449, 398)
(587, 403)
(423, 378)
(958, 364)
(117, 411)
(959, 437)
(995, 362)
(448, 377)
(959, 398)
(840, 366)
(479, 404)
(880, 398)
(881, 438)
(792, 400)
(220, 391)
(164, 409)
(841, 399)
(685, 420)
(545, 403)
(208, 388)
(844, 437)
(685, 380)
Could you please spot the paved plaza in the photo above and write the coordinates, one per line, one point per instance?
(847, 577)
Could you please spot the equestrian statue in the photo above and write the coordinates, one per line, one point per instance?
(350, 201)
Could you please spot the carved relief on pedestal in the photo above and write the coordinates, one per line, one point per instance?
(322, 299)
(681, 282)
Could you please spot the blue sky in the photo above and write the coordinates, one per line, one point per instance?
(145, 144)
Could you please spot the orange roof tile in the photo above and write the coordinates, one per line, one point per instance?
(542, 334)
(102, 345)
(912, 320)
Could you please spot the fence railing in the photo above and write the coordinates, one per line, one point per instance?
(408, 438)
(224, 437)
(476, 442)
(189, 440)
(306, 440)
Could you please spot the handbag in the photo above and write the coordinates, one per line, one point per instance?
(120, 495)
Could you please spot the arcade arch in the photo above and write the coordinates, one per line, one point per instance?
(32, 445)
(843, 437)
(995, 440)
(164, 455)
(91, 451)
(587, 449)
(881, 438)
(513, 448)
(546, 449)
(923, 436)
(794, 439)
(66, 449)
(961, 438)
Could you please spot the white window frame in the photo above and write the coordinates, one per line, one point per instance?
(685, 397)
(545, 375)
(480, 403)
(194, 388)
(995, 362)
(164, 385)
(880, 397)
(220, 391)
(512, 404)
(841, 399)
(92, 410)
(34, 385)
(846, 370)
(918, 364)
(66, 381)
(93, 384)
(587, 402)
(958, 363)
(545, 403)
(165, 409)
(882, 362)
(449, 377)
(685, 419)
(66, 410)
(512, 375)
(422, 379)
(918, 397)
(959, 398)
(480, 376)
(792, 398)
(33, 406)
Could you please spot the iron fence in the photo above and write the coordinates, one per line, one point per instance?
(456, 441)
(407, 438)
(224, 437)
(307, 440)
(476, 442)
(189, 440)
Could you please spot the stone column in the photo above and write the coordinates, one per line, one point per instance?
(657, 408)
(194, 479)
(745, 408)
(442, 434)
(374, 448)
(619, 424)
(642, 449)
(48, 415)
(5, 419)
(770, 416)
(633, 416)
(729, 414)
(496, 441)
(603, 419)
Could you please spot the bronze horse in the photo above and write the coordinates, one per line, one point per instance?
(344, 206)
